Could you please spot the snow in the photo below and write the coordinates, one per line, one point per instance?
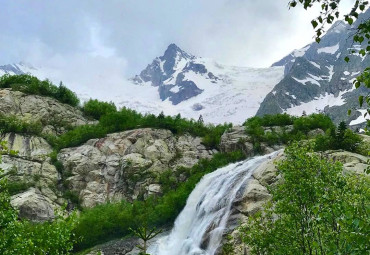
(329, 50)
(355, 73)
(361, 118)
(338, 55)
(331, 72)
(315, 64)
(346, 73)
(300, 52)
(161, 63)
(288, 94)
(306, 80)
(175, 89)
(317, 105)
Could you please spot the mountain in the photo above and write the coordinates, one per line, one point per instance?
(196, 86)
(317, 79)
(20, 68)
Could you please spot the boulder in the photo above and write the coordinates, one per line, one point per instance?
(352, 162)
(33, 205)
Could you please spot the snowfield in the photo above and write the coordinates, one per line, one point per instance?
(233, 98)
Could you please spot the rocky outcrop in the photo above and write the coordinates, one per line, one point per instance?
(33, 175)
(128, 164)
(236, 138)
(53, 114)
(352, 162)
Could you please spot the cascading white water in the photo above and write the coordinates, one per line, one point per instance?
(199, 228)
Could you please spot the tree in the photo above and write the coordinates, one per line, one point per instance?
(97, 109)
(315, 209)
(329, 13)
(200, 120)
(144, 230)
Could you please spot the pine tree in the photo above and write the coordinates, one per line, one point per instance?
(200, 120)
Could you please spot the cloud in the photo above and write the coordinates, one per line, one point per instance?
(123, 36)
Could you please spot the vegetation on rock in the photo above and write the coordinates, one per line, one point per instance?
(32, 85)
(315, 209)
(23, 237)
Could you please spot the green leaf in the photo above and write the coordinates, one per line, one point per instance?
(293, 4)
(346, 59)
(349, 112)
(314, 23)
(349, 20)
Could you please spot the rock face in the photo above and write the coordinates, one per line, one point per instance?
(36, 178)
(318, 79)
(236, 138)
(127, 165)
(51, 113)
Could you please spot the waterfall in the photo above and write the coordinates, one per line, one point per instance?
(199, 228)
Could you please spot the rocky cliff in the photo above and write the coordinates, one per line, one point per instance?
(127, 165)
(54, 116)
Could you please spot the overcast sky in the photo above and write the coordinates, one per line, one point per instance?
(99, 37)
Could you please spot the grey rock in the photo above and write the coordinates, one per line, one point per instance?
(127, 165)
(33, 205)
(50, 112)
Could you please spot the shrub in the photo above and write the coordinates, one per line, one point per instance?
(32, 85)
(313, 121)
(340, 138)
(96, 109)
(315, 210)
(13, 124)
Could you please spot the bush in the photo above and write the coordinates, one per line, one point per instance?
(32, 85)
(96, 109)
(315, 210)
(311, 122)
(339, 138)
(301, 126)
(272, 120)
(13, 124)
(127, 119)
